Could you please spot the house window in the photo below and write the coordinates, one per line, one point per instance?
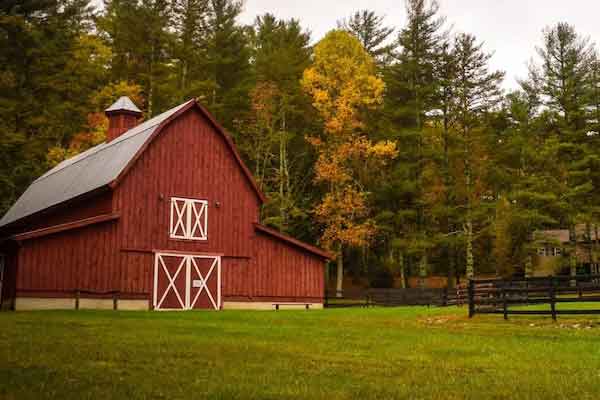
(541, 251)
(189, 219)
(557, 251)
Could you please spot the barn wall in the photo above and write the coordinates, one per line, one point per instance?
(81, 259)
(188, 159)
(277, 272)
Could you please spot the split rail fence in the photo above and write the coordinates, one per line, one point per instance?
(509, 296)
(396, 297)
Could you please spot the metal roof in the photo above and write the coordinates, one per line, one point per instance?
(124, 104)
(90, 170)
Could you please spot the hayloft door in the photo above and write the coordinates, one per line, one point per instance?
(186, 282)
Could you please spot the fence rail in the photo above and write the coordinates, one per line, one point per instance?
(396, 297)
(500, 296)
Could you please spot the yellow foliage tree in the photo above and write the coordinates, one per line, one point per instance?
(343, 85)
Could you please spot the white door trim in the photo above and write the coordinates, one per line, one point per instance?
(188, 261)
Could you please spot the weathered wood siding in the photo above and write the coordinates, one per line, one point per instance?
(188, 159)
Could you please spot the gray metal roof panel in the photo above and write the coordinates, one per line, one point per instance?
(90, 170)
(124, 103)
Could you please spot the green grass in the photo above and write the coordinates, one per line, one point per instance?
(412, 353)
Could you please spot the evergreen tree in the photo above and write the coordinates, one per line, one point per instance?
(280, 113)
(369, 28)
(477, 91)
(228, 62)
(191, 30)
(411, 95)
(47, 69)
(141, 36)
(563, 82)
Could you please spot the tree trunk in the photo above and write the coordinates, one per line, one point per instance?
(422, 271)
(402, 274)
(470, 259)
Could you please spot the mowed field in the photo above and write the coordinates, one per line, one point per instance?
(412, 353)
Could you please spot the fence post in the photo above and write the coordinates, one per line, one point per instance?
(325, 304)
(471, 291)
(77, 296)
(115, 300)
(504, 301)
(552, 298)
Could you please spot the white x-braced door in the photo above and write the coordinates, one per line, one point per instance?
(189, 219)
(186, 282)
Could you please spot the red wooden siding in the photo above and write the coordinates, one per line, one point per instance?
(190, 160)
(187, 159)
(277, 271)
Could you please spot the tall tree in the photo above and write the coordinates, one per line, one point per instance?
(411, 96)
(369, 28)
(477, 91)
(562, 80)
(190, 49)
(228, 59)
(141, 36)
(280, 111)
(343, 85)
(48, 68)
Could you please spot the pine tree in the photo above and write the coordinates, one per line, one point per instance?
(228, 62)
(411, 95)
(281, 53)
(369, 28)
(141, 36)
(48, 68)
(563, 82)
(477, 91)
(191, 30)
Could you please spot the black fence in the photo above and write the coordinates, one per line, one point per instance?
(508, 296)
(396, 297)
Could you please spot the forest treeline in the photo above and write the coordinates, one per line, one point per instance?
(395, 147)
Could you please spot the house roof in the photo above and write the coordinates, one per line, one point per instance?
(294, 242)
(104, 165)
(559, 235)
(563, 235)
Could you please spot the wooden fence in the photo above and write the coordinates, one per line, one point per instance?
(508, 296)
(396, 297)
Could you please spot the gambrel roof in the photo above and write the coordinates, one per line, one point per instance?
(103, 165)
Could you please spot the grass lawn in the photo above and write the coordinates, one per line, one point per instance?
(412, 353)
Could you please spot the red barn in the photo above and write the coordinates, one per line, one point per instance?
(164, 215)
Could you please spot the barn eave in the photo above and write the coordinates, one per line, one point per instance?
(38, 233)
(294, 242)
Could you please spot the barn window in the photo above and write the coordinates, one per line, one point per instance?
(189, 219)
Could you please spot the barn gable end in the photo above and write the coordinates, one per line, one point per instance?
(177, 227)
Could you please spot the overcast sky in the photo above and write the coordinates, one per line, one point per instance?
(510, 28)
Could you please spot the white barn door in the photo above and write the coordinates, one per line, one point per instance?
(187, 282)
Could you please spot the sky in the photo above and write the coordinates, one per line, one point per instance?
(511, 29)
